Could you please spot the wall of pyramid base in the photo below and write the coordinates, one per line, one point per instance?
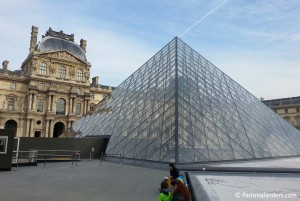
(179, 107)
(255, 180)
(288, 164)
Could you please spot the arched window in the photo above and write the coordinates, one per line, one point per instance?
(43, 68)
(62, 72)
(60, 106)
(79, 75)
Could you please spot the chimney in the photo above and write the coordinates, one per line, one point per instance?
(83, 44)
(4, 65)
(95, 81)
(33, 39)
(262, 99)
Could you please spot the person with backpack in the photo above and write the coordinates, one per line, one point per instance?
(165, 194)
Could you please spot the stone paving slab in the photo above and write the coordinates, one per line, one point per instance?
(87, 182)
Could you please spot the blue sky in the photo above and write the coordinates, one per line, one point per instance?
(256, 42)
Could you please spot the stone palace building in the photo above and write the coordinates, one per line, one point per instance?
(51, 90)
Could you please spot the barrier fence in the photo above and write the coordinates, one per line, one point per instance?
(33, 156)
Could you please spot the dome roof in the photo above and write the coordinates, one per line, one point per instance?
(50, 43)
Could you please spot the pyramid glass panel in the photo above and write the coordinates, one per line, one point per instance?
(178, 107)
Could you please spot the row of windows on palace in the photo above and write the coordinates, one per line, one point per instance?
(62, 72)
(60, 106)
(286, 111)
(41, 86)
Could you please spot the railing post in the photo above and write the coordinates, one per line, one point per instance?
(90, 156)
(45, 162)
(72, 161)
(121, 159)
(100, 159)
(16, 168)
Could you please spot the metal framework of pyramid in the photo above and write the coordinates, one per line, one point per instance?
(178, 107)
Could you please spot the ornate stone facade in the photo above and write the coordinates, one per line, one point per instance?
(287, 108)
(52, 89)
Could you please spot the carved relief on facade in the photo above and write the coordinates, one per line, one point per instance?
(53, 87)
(63, 55)
(21, 103)
(3, 105)
(32, 84)
(52, 67)
(87, 75)
(72, 72)
(35, 64)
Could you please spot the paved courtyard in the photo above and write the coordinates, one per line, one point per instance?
(87, 182)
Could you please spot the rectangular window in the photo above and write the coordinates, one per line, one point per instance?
(286, 111)
(43, 69)
(78, 108)
(297, 109)
(79, 75)
(40, 106)
(10, 104)
(3, 144)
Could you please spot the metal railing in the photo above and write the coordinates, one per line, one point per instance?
(34, 155)
(121, 160)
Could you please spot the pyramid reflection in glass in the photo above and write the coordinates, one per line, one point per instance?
(178, 107)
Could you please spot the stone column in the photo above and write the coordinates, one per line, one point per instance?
(69, 124)
(84, 106)
(49, 102)
(34, 101)
(51, 127)
(47, 129)
(27, 134)
(31, 127)
(53, 106)
(30, 101)
(87, 105)
(73, 107)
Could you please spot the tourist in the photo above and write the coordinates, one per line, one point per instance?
(165, 194)
(181, 192)
(174, 173)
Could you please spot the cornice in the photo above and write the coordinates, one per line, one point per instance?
(13, 77)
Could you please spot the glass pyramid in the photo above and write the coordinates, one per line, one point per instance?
(178, 107)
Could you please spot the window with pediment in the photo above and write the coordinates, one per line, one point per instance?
(11, 103)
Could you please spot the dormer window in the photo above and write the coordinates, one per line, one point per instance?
(43, 68)
(62, 72)
(13, 85)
